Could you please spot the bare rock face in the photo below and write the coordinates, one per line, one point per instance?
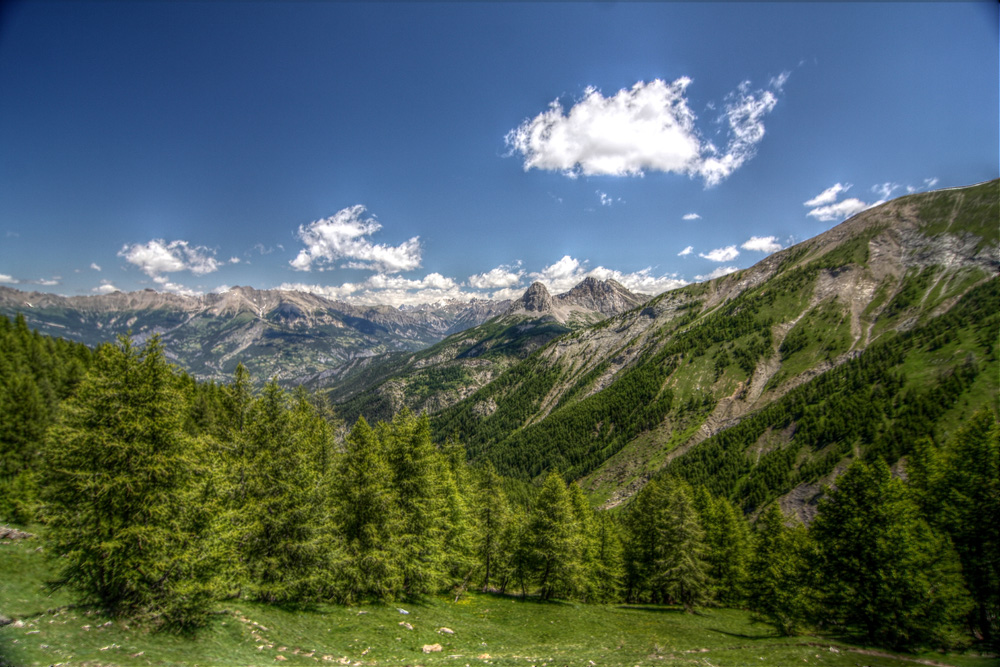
(604, 296)
(536, 300)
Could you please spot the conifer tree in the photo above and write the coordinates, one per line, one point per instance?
(776, 589)
(884, 573)
(367, 519)
(727, 546)
(609, 562)
(959, 488)
(583, 514)
(554, 541)
(492, 516)
(417, 476)
(277, 538)
(117, 473)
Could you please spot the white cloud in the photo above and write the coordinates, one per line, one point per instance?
(762, 244)
(744, 112)
(691, 216)
(727, 254)
(828, 196)
(105, 288)
(885, 190)
(565, 274)
(9, 280)
(158, 257)
(717, 273)
(498, 278)
(345, 236)
(841, 210)
(930, 182)
(687, 251)
(95, 266)
(390, 290)
(649, 127)
(234, 260)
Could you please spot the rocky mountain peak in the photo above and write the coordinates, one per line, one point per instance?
(607, 297)
(536, 299)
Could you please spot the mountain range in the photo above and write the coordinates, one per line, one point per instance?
(762, 384)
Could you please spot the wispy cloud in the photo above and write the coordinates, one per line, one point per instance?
(691, 216)
(829, 195)
(95, 266)
(345, 236)
(687, 251)
(727, 254)
(648, 127)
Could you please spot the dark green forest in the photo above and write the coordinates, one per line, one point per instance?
(157, 495)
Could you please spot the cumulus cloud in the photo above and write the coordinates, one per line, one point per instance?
(105, 288)
(727, 254)
(829, 195)
(158, 257)
(566, 273)
(498, 278)
(691, 216)
(390, 290)
(717, 273)
(345, 236)
(687, 251)
(8, 280)
(95, 266)
(762, 244)
(648, 127)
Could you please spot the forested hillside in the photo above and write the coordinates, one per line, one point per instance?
(763, 383)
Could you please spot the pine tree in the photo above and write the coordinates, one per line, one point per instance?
(117, 475)
(492, 514)
(367, 519)
(777, 590)
(609, 562)
(417, 476)
(554, 541)
(884, 573)
(583, 514)
(959, 488)
(727, 546)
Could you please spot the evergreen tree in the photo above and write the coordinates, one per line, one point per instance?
(665, 556)
(883, 572)
(587, 539)
(554, 541)
(118, 463)
(777, 590)
(959, 487)
(609, 563)
(492, 514)
(727, 546)
(277, 527)
(367, 519)
(417, 476)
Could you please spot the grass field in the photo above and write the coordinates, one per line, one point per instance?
(486, 630)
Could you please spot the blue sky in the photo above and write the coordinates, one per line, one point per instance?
(408, 153)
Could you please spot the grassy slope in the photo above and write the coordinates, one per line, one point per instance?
(488, 630)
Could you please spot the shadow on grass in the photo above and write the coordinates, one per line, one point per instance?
(656, 609)
(769, 635)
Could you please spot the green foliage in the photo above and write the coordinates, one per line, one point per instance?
(727, 546)
(554, 542)
(958, 485)
(883, 573)
(117, 471)
(665, 548)
(778, 591)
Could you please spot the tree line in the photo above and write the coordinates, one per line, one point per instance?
(158, 496)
